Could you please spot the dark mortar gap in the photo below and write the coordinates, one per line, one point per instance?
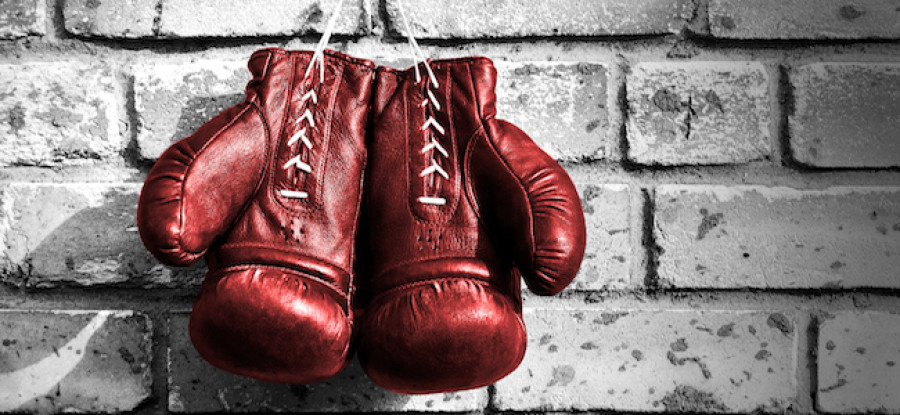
(812, 351)
(785, 97)
(762, 44)
(648, 241)
(59, 19)
(131, 153)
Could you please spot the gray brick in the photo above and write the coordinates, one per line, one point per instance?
(698, 113)
(73, 361)
(110, 18)
(172, 100)
(219, 18)
(859, 363)
(518, 18)
(778, 237)
(77, 234)
(668, 360)
(804, 19)
(196, 386)
(20, 18)
(59, 112)
(562, 106)
(608, 255)
(846, 115)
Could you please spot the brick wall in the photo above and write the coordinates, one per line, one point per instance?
(738, 163)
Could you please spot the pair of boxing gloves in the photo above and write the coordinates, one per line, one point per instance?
(354, 207)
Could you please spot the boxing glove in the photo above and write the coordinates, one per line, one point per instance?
(269, 192)
(459, 206)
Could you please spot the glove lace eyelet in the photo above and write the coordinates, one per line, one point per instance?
(304, 124)
(430, 127)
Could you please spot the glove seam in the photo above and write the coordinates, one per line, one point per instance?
(291, 271)
(484, 119)
(428, 281)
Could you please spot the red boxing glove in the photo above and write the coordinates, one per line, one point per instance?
(269, 191)
(459, 205)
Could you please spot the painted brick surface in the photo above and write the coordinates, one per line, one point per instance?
(698, 112)
(73, 361)
(751, 236)
(111, 18)
(804, 19)
(562, 106)
(172, 100)
(55, 113)
(78, 233)
(846, 114)
(608, 255)
(196, 386)
(19, 18)
(859, 363)
(198, 18)
(674, 361)
(518, 18)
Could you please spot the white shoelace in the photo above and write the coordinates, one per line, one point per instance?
(306, 121)
(431, 124)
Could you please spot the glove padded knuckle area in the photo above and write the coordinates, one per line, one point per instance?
(441, 335)
(256, 321)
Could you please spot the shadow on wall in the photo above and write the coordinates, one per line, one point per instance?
(83, 235)
(198, 110)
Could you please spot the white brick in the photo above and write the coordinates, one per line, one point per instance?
(562, 106)
(517, 18)
(846, 114)
(778, 237)
(58, 113)
(804, 19)
(670, 360)
(608, 254)
(172, 99)
(698, 113)
(20, 18)
(111, 18)
(859, 363)
(219, 18)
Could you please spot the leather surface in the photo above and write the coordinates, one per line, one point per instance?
(275, 304)
(443, 295)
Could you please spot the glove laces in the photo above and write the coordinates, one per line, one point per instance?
(431, 126)
(306, 121)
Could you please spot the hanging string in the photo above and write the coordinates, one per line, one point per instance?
(319, 53)
(418, 56)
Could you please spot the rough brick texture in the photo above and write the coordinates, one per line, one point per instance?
(804, 19)
(195, 386)
(778, 237)
(675, 361)
(608, 255)
(198, 18)
(698, 113)
(59, 112)
(77, 234)
(111, 18)
(73, 361)
(859, 363)
(19, 18)
(516, 18)
(172, 100)
(846, 114)
(562, 106)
